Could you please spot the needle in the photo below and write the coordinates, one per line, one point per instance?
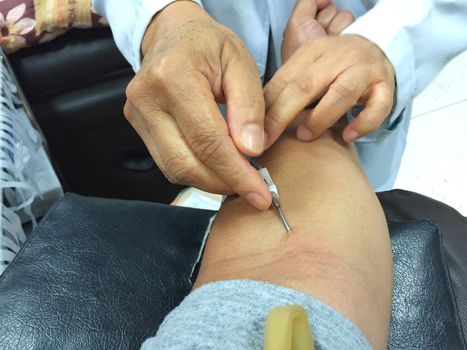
(274, 191)
(277, 205)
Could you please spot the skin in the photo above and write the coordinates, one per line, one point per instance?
(339, 71)
(339, 249)
(191, 62)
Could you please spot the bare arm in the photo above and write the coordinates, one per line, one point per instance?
(339, 249)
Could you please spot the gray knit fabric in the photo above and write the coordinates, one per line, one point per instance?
(231, 315)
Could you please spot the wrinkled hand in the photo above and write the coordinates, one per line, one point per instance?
(311, 19)
(190, 63)
(341, 70)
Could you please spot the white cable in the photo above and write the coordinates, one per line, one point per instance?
(18, 141)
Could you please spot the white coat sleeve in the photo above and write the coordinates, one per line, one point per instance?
(418, 36)
(129, 20)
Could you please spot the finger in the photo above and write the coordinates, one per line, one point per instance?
(138, 124)
(321, 4)
(300, 27)
(178, 161)
(342, 94)
(377, 108)
(205, 131)
(291, 90)
(341, 21)
(304, 10)
(243, 92)
(296, 37)
(171, 154)
(326, 15)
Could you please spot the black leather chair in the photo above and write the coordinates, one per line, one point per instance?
(102, 274)
(76, 88)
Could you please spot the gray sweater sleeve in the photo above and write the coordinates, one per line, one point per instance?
(232, 314)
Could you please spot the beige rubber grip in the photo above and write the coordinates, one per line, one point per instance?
(287, 328)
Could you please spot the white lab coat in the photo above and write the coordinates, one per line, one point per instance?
(418, 36)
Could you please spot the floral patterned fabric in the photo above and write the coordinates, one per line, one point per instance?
(25, 23)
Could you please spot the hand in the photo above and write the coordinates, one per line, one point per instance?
(311, 19)
(343, 70)
(190, 63)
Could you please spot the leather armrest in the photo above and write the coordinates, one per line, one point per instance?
(100, 273)
(400, 205)
(424, 313)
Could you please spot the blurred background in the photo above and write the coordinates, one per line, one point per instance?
(435, 160)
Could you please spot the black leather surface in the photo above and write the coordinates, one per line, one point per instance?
(404, 205)
(423, 312)
(101, 274)
(76, 60)
(76, 86)
(98, 274)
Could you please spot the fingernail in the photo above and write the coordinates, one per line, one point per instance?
(256, 200)
(304, 134)
(352, 136)
(253, 138)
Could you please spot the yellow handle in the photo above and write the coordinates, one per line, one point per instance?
(287, 328)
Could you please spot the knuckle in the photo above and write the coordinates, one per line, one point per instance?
(162, 70)
(253, 103)
(297, 21)
(273, 89)
(278, 82)
(257, 102)
(157, 73)
(232, 46)
(134, 90)
(273, 120)
(368, 124)
(128, 112)
(179, 169)
(208, 147)
(300, 88)
(343, 90)
(385, 105)
(355, 51)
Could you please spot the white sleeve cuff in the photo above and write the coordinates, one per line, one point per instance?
(129, 20)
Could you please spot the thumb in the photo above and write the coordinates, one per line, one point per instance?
(302, 27)
(304, 10)
(322, 4)
(244, 97)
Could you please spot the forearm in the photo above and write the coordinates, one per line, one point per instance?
(338, 251)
